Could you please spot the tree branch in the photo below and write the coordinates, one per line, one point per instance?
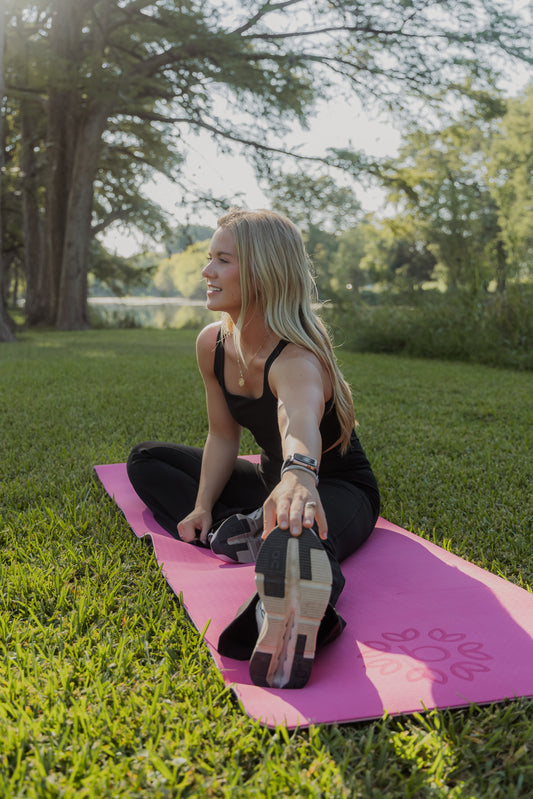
(122, 213)
(241, 140)
(263, 11)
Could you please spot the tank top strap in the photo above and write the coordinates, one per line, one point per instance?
(270, 360)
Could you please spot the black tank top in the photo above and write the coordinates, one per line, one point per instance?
(260, 417)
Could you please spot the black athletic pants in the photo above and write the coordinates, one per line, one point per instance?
(166, 476)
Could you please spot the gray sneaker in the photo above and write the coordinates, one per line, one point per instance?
(238, 538)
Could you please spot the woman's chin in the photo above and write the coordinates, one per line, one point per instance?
(211, 303)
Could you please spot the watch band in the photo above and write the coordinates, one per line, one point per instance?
(296, 466)
(305, 461)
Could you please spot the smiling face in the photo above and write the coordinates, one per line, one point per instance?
(222, 274)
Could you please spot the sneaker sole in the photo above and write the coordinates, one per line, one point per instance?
(235, 542)
(293, 579)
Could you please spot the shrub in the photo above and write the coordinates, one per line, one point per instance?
(485, 328)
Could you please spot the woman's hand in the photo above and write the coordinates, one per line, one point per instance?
(198, 520)
(293, 504)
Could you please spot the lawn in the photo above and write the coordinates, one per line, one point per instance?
(105, 687)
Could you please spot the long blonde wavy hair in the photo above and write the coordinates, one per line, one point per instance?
(276, 276)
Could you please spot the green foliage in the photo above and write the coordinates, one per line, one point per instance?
(184, 235)
(511, 171)
(106, 689)
(461, 197)
(180, 273)
(315, 202)
(161, 316)
(483, 328)
(118, 276)
(322, 209)
(395, 256)
(346, 271)
(113, 89)
(465, 190)
(450, 203)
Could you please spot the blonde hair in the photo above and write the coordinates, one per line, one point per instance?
(276, 277)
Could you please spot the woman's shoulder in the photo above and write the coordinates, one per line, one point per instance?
(292, 352)
(295, 361)
(297, 364)
(207, 337)
(205, 347)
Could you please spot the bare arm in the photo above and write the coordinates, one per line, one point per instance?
(299, 384)
(221, 446)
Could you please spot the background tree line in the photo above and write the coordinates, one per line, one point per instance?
(460, 201)
(100, 94)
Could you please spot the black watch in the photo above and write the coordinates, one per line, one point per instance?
(301, 460)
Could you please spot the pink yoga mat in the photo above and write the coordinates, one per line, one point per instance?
(425, 628)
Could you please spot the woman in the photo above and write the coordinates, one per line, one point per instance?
(313, 500)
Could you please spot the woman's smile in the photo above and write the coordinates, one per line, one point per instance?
(221, 274)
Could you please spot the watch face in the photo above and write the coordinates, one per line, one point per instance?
(305, 459)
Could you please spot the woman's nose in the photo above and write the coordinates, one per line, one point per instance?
(206, 270)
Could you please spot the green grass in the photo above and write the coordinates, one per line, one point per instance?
(105, 687)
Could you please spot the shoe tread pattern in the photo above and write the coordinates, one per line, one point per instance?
(293, 578)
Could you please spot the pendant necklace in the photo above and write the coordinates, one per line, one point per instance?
(241, 378)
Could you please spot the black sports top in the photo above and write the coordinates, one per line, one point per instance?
(260, 417)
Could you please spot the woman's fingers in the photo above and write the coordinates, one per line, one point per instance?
(269, 516)
(294, 504)
(309, 512)
(294, 515)
(322, 522)
(196, 525)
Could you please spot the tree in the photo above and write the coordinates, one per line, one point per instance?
(346, 272)
(180, 273)
(468, 191)
(510, 168)
(108, 73)
(116, 276)
(185, 235)
(322, 209)
(444, 193)
(6, 333)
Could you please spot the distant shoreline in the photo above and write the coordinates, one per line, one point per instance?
(146, 301)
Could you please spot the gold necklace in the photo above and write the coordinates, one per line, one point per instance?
(241, 378)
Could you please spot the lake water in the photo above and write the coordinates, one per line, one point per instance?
(159, 312)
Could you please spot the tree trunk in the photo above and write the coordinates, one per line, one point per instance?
(34, 260)
(72, 310)
(64, 114)
(63, 118)
(6, 323)
(6, 333)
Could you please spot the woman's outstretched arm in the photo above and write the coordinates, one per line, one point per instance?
(298, 381)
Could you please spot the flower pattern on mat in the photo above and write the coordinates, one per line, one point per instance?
(439, 655)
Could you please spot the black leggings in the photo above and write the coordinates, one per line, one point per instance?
(166, 477)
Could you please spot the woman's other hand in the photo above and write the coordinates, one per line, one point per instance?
(196, 525)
